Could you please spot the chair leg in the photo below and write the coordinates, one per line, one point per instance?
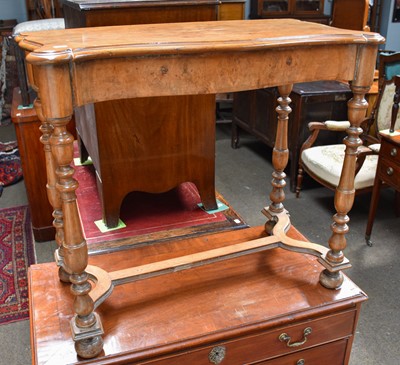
(299, 180)
(234, 135)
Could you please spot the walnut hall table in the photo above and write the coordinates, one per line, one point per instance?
(74, 67)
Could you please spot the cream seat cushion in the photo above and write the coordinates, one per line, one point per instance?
(326, 162)
(39, 25)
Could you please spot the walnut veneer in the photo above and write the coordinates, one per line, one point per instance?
(141, 161)
(75, 67)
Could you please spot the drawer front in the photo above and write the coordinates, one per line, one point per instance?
(277, 342)
(333, 354)
(390, 151)
(389, 172)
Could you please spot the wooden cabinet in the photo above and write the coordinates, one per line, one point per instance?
(388, 172)
(231, 10)
(242, 310)
(311, 10)
(27, 125)
(254, 111)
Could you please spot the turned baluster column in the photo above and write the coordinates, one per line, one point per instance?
(280, 156)
(86, 325)
(52, 192)
(332, 277)
(56, 108)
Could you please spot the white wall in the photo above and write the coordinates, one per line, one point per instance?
(390, 30)
(13, 9)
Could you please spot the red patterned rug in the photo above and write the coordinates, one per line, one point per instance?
(16, 254)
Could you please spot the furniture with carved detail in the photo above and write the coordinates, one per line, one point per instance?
(312, 10)
(74, 67)
(388, 168)
(240, 311)
(323, 163)
(254, 112)
(133, 165)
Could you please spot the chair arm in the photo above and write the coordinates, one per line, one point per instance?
(335, 125)
(316, 127)
(362, 153)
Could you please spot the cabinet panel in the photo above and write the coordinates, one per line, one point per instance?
(311, 10)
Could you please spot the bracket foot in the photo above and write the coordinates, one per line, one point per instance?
(331, 280)
(90, 347)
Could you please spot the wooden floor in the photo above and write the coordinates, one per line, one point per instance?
(194, 309)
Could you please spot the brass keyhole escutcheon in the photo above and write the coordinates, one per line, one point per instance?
(284, 337)
(217, 354)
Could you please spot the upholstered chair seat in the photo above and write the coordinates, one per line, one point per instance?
(31, 26)
(39, 25)
(326, 162)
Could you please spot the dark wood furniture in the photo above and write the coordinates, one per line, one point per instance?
(388, 172)
(239, 310)
(254, 112)
(299, 9)
(75, 67)
(97, 13)
(388, 169)
(162, 144)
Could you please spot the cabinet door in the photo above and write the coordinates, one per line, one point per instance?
(274, 7)
(308, 7)
(282, 8)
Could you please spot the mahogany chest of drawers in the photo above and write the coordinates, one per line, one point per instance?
(388, 172)
(263, 308)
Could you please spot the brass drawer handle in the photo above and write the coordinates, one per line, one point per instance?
(284, 337)
(389, 171)
(301, 362)
(393, 152)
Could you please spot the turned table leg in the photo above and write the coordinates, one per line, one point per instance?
(52, 192)
(54, 107)
(86, 325)
(280, 156)
(344, 196)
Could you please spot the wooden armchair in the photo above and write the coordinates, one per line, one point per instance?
(350, 14)
(388, 66)
(324, 163)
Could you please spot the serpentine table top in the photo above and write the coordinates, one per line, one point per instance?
(73, 67)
